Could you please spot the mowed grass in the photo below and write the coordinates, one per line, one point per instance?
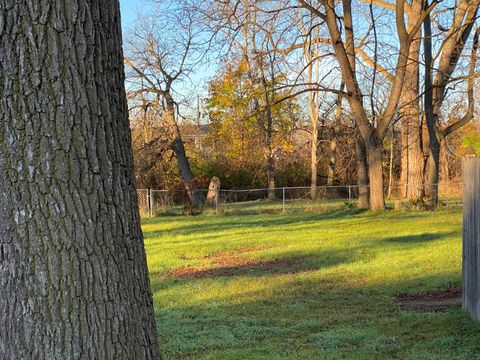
(305, 286)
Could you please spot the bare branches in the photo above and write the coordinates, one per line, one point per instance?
(471, 78)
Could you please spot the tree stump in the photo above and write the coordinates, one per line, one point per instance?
(213, 191)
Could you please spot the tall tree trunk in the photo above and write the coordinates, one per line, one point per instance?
(433, 171)
(332, 164)
(390, 171)
(178, 148)
(411, 126)
(412, 154)
(271, 177)
(444, 160)
(435, 90)
(432, 162)
(374, 147)
(270, 147)
(313, 112)
(362, 174)
(73, 275)
(314, 160)
(311, 54)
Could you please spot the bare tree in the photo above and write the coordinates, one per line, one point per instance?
(416, 143)
(439, 77)
(254, 37)
(374, 127)
(160, 55)
(411, 177)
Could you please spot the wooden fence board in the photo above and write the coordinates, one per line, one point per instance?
(471, 237)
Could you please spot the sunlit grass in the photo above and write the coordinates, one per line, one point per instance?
(306, 286)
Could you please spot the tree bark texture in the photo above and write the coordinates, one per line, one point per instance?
(374, 149)
(362, 174)
(411, 178)
(314, 161)
(313, 112)
(271, 177)
(73, 275)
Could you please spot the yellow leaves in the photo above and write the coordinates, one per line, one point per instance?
(287, 146)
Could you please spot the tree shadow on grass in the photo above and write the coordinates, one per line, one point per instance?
(200, 225)
(420, 238)
(312, 317)
(229, 264)
(244, 267)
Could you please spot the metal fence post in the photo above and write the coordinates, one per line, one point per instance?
(283, 199)
(150, 203)
(217, 195)
(349, 193)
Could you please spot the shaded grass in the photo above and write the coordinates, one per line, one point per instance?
(307, 286)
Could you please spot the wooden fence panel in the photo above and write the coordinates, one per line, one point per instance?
(471, 237)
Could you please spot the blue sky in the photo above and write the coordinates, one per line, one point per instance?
(130, 9)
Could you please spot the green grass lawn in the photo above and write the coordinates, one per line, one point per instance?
(306, 286)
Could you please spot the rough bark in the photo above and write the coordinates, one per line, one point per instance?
(73, 276)
(314, 160)
(271, 177)
(390, 165)
(374, 147)
(313, 112)
(432, 175)
(362, 174)
(411, 177)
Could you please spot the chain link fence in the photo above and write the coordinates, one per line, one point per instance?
(283, 200)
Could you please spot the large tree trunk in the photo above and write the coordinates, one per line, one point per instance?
(178, 148)
(73, 275)
(390, 165)
(374, 149)
(314, 163)
(270, 149)
(362, 174)
(271, 177)
(433, 170)
(412, 154)
(411, 126)
(313, 110)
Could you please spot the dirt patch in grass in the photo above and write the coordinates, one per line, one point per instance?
(435, 301)
(230, 264)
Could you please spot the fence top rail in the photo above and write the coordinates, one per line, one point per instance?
(308, 187)
(290, 188)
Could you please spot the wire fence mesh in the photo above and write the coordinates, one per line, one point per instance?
(281, 200)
